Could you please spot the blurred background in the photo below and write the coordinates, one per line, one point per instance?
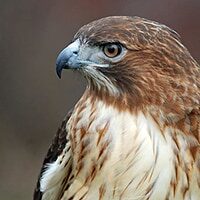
(33, 101)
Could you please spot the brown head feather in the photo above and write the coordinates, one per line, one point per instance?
(157, 69)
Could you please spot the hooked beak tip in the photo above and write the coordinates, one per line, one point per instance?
(59, 72)
(67, 58)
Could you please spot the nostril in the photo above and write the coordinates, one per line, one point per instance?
(75, 52)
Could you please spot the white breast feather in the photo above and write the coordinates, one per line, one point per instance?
(52, 177)
(138, 148)
(140, 157)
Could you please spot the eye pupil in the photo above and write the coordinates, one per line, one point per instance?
(112, 50)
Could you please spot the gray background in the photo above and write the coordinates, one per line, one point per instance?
(33, 101)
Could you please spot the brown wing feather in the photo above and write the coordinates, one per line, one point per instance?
(56, 148)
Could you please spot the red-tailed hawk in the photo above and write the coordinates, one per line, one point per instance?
(135, 133)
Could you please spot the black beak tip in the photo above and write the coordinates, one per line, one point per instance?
(60, 65)
(58, 71)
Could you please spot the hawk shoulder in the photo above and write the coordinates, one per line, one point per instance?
(51, 165)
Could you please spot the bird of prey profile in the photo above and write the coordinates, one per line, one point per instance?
(135, 132)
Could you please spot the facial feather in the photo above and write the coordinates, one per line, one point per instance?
(155, 62)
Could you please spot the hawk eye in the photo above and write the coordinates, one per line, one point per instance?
(112, 50)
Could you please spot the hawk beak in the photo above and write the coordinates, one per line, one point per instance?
(67, 59)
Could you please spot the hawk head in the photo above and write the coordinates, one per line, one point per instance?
(133, 60)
